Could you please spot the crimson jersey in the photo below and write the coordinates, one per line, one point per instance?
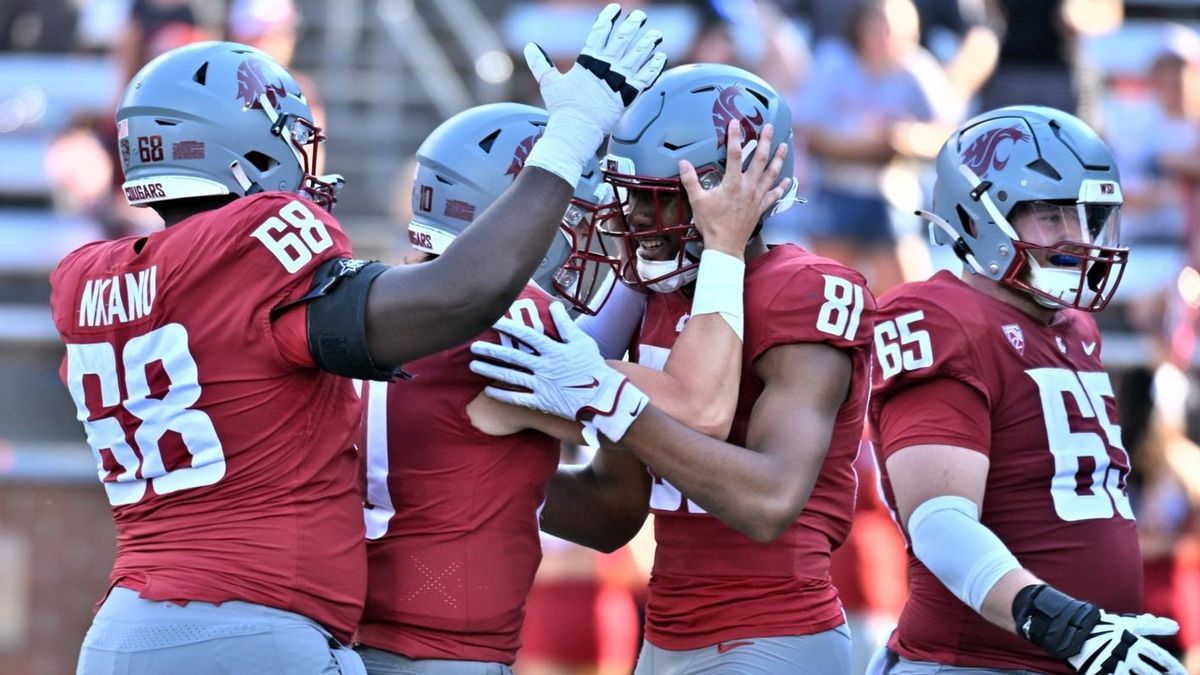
(452, 512)
(227, 456)
(1041, 407)
(711, 583)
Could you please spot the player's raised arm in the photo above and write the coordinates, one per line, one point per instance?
(412, 311)
(698, 385)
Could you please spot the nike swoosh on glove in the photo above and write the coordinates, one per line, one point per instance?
(616, 64)
(569, 378)
(1117, 646)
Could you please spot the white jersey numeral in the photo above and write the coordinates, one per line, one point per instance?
(842, 309)
(667, 497)
(1085, 484)
(524, 310)
(293, 236)
(663, 495)
(379, 509)
(136, 469)
(893, 335)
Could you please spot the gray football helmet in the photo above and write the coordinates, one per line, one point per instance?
(218, 118)
(1008, 163)
(685, 115)
(469, 160)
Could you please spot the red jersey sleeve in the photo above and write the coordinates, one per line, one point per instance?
(943, 411)
(917, 341)
(812, 303)
(282, 239)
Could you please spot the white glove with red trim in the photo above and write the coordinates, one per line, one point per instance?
(616, 64)
(569, 378)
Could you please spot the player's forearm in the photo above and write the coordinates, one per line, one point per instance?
(998, 604)
(746, 490)
(416, 310)
(698, 386)
(580, 507)
(493, 259)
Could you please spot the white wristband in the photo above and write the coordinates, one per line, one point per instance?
(628, 405)
(566, 146)
(719, 288)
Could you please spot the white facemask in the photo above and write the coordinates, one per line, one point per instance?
(650, 269)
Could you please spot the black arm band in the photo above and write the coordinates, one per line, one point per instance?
(1054, 620)
(337, 319)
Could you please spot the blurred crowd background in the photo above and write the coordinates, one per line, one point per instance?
(875, 86)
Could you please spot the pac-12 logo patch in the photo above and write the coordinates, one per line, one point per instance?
(1015, 336)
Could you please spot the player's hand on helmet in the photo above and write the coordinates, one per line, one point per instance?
(618, 62)
(1117, 645)
(726, 214)
(569, 378)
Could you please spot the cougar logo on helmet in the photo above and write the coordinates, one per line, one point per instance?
(253, 82)
(725, 110)
(521, 153)
(981, 157)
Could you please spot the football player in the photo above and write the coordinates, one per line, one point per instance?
(452, 511)
(744, 528)
(204, 359)
(994, 420)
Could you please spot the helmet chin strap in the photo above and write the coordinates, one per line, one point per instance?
(652, 269)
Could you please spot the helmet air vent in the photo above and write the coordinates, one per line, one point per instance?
(759, 96)
(1043, 167)
(968, 225)
(490, 140)
(260, 161)
(201, 74)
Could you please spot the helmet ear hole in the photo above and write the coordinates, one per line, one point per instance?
(261, 161)
(968, 225)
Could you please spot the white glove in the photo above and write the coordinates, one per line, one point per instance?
(568, 379)
(1115, 646)
(614, 66)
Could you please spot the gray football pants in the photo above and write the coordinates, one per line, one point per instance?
(887, 662)
(381, 662)
(133, 636)
(825, 653)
